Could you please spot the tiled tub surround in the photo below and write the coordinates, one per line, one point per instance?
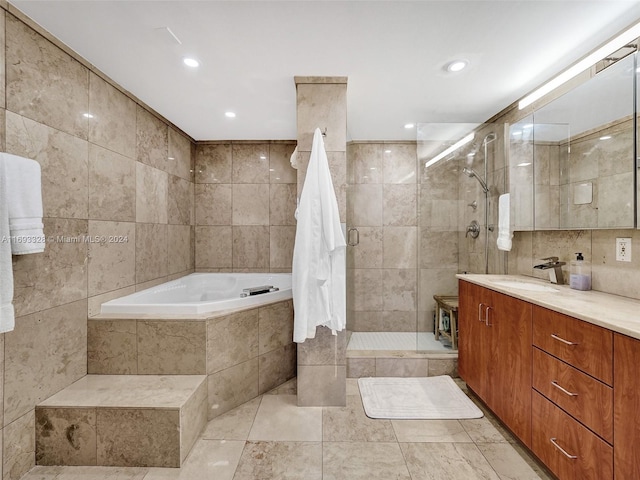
(106, 175)
(243, 353)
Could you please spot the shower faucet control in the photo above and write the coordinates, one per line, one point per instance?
(473, 229)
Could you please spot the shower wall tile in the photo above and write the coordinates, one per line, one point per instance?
(152, 194)
(251, 247)
(439, 249)
(213, 246)
(367, 289)
(281, 242)
(399, 163)
(282, 203)
(44, 83)
(56, 276)
(151, 140)
(399, 289)
(171, 347)
(436, 281)
(338, 166)
(151, 251)
(64, 162)
(365, 162)
(179, 154)
(46, 352)
(180, 209)
(213, 204)
(250, 163)
(112, 185)
(213, 163)
(364, 321)
(280, 168)
(250, 204)
(19, 447)
(369, 251)
(399, 205)
(365, 205)
(441, 214)
(179, 248)
(232, 339)
(397, 321)
(113, 125)
(400, 247)
(112, 347)
(112, 256)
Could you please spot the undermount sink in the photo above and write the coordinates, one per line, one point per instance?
(530, 286)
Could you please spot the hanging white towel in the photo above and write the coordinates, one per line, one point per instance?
(21, 229)
(294, 158)
(319, 261)
(504, 229)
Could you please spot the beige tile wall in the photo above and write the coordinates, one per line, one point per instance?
(382, 275)
(123, 173)
(245, 200)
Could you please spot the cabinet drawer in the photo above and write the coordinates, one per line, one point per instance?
(585, 346)
(569, 449)
(582, 396)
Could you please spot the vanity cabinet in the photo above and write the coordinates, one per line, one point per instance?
(626, 408)
(494, 353)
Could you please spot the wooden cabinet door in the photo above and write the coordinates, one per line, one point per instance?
(510, 327)
(626, 405)
(472, 335)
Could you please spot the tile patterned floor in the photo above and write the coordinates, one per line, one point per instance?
(271, 438)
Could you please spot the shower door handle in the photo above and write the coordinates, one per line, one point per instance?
(350, 232)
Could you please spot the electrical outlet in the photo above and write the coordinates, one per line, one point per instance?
(623, 249)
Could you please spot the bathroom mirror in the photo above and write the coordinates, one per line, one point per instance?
(572, 161)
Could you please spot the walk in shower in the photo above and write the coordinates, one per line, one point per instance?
(408, 207)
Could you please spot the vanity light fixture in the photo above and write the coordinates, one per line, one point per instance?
(451, 149)
(617, 43)
(191, 62)
(230, 114)
(457, 65)
(605, 137)
(524, 164)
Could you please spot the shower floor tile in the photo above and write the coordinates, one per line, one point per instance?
(396, 341)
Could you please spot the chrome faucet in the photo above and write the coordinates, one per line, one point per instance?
(555, 269)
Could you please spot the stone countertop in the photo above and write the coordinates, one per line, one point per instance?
(616, 313)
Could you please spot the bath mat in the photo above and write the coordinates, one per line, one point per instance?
(416, 398)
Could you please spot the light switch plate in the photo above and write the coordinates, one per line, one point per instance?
(623, 249)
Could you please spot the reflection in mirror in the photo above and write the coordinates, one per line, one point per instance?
(584, 154)
(521, 174)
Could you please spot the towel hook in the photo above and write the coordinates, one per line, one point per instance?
(324, 133)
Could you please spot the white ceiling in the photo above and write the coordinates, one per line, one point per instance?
(393, 52)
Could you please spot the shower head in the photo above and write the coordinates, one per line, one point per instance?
(490, 137)
(471, 173)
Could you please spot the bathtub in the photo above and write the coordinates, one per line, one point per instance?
(200, 293)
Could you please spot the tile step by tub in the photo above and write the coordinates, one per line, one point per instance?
(122, 420)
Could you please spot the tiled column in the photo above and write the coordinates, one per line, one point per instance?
(322, 103)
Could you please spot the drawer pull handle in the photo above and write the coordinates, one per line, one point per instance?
(567, 392)
(480, 305)
(560, 339)
(564, 452)
(486, 317)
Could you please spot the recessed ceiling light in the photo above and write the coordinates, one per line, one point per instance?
(606, 137)
(409, 125)
(387, 151)
(230, 114)
(191, 62)
(457, 65)
(87, 115)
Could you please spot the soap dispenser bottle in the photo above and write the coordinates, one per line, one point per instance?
(580, 276)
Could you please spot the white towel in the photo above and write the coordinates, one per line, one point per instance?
(319, 253)
(21, 229)
(294, 158)
(24, 201)
(504, 229)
